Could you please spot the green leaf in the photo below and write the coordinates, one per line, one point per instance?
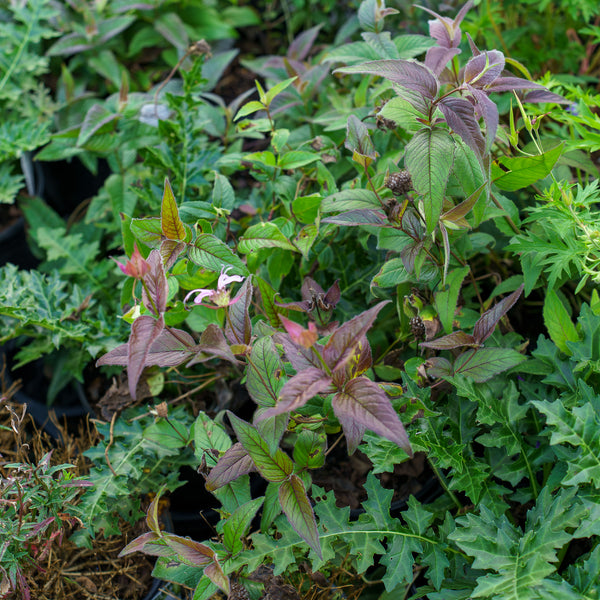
(309, 449)
(275, 466)
(249, 108)
(265, 373)
(579, 427)
(294, 159)
(95, 119)
(296, 506)
(168, 434)
(264, 235)
(278, 88)
(223, 195)
(391, 274)
(485, 363)
(306, 208)
(511, 174)
(429, 158)
(209, 435)
(171, 225)
(209, 252)
(267, 296)
(558, 322)
(237, 525)
(147, 230)
(521, 565)
(404, 114)
(355, 199)
(446, 300)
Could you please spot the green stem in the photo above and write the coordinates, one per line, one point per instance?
(443, 483)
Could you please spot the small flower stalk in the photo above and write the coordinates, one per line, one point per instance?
(221, 297)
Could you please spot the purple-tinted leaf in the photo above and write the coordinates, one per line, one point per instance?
(156, 283)
(234, 463)
(342, 343)
(474, 49)
(144, 331)
(507, 84)
(212, 344)
(238, 327)
(484, 68)
(170, 251)
(300, 358)
(189, 551)
(460, 116)
(481, 365)
(438, 367)
(456, 214)
(407, 73)
(353, 431)
(302, 44)
(298, 391)
(409, 253)
(363, 401)
(488, 110)
(438, 57)
(361, 360)
(275, 466)
(215, 573)
(171, 348)
(309, 285)
(296, 506)
(456, 339)
(357, 217)
(116, 356)
(444, 30)
(301, 305)
(412, 224)
(152, 514)
(487, 322)
(358, 139)
(171, 224)
(545, 96)
(333, 294)
(138, 545)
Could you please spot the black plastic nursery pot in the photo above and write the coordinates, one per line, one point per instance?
(13, 246)
(71, 404)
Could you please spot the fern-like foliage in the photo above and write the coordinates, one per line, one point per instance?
(138, 466)
(521, 564)
(25, 105)
(396, 544)
(575, 434)
(562, 238)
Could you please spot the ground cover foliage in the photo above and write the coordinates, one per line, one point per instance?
(389, 241)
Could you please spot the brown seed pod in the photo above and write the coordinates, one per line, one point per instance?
(417, 327)
(400, 183)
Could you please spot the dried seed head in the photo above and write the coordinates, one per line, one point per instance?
(400, 183)
(417, 327)
(238, 592)
(385, 124)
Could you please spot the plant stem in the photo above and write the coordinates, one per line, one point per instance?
(442, 480)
